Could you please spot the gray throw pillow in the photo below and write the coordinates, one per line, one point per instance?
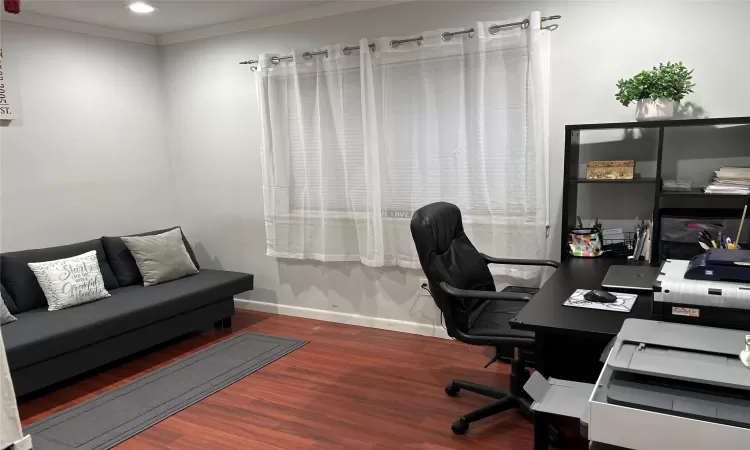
(5, 315)
(160, 257)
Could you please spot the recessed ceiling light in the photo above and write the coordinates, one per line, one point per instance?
(141, 8)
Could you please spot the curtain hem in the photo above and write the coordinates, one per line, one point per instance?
(521, 274)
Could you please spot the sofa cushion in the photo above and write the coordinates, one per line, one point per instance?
(21, 283)
(40, 334)
(8, 300)
(123, 263)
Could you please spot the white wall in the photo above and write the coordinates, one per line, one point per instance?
(88, 157)
(215, 136)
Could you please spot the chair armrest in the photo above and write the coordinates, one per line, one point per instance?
(484, 295)
(521, 262)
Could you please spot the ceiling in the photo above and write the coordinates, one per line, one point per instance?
(171, 16)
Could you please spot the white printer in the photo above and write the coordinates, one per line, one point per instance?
(668, 385)
(664, 386)
(707, 302)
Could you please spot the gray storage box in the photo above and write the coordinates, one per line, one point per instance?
(560, 398)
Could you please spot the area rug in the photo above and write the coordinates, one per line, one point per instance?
(112, 417)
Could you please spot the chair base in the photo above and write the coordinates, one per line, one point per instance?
(514, 398)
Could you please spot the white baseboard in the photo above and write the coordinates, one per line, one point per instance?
(346, 318)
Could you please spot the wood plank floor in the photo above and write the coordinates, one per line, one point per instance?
(348, 388)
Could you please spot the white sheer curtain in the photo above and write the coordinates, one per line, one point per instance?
(316, 179)
(353, 144)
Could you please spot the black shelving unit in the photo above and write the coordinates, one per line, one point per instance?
(671, 203)
(696, 199)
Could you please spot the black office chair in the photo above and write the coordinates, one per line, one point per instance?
(463, 288)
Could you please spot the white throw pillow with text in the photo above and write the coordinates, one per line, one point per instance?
(70, 281)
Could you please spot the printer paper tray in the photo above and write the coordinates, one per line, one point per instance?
(718, 405)
(643, 429)
(665, 353)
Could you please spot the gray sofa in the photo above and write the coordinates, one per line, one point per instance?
(46, 347)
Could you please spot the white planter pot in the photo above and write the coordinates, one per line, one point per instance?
(649, 109)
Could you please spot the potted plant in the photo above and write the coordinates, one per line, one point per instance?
(655, 91)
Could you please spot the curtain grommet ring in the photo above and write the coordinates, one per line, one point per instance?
(275, 60)
(471, 33)
(395, 44)
(525, 24)
(447, 36)
(307, 56)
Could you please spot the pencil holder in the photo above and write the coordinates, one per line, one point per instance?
(585, 242)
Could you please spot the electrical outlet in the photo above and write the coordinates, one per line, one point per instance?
(423, 287)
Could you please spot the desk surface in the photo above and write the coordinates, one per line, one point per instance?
(545, 311)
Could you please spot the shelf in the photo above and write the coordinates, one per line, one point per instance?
(697, 199)
(633, 181)
(660, 123)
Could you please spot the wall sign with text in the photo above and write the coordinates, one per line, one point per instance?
(7, 111)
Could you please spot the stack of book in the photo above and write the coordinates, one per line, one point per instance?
(730, 180)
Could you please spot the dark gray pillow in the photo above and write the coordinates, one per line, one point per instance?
(8, 300)
(122, 261)
(21, 283)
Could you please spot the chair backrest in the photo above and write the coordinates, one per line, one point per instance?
(447, 254)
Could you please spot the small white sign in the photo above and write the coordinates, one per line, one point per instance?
(7, 112)
(687, 312)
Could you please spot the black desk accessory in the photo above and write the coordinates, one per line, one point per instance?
(720, 265)
(598, 296)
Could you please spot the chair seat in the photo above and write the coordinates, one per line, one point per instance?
(493, 320)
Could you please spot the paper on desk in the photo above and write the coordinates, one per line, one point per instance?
(613, 235)
(624, 302)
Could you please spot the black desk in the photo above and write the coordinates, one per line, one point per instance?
(569, 340)
(545, 312)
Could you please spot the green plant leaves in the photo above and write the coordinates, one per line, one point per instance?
(671, 81)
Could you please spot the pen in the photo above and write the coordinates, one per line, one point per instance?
(742, 222)
(707, 238)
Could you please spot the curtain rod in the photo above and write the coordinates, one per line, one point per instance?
(308, 55)
(447, 36)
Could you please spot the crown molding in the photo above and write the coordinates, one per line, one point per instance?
(56, 23)
(327, 9)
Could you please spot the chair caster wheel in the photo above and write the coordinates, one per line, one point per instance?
(460, 427)
(556, 437)
(451, 390)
